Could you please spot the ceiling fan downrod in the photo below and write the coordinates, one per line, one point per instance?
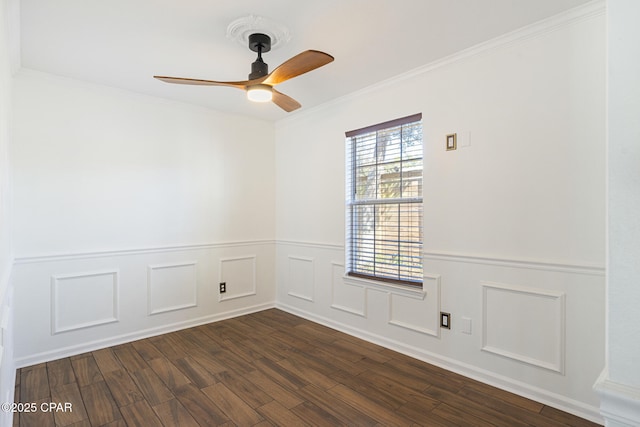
(259, 43)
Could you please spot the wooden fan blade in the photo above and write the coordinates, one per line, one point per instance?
(198, 82)
(285, 102)
(302, 63)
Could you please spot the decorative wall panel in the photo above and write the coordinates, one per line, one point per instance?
(239, 274)
(417, 312)
(83, 300)
(345, 296)
(171, 287)
(301, 278)
(524, 324)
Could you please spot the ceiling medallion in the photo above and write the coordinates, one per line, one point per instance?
(240, 30)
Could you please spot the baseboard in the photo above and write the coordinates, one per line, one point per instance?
(619, 403)
(133, 336)
(546, 397)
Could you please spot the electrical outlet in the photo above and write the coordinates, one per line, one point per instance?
(223, 287)
(445, 320)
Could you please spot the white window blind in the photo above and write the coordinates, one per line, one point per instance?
(384, 201)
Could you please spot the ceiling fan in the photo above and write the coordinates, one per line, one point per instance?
(260, 85)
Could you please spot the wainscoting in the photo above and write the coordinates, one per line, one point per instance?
(531, 327)
(534, 327)
(73, 303)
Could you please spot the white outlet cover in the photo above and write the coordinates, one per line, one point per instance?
(464, 139)
(466, 325)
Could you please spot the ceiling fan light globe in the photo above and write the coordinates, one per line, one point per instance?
(260, 93)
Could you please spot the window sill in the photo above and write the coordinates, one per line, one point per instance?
(409, 291)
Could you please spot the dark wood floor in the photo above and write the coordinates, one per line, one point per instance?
(267, 368)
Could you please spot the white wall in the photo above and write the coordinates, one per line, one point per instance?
(129, 210)
(8, 12)
(619, 385)
(514, 219)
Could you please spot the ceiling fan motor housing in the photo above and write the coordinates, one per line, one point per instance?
(259, 43)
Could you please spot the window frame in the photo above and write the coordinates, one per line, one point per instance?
(352, 202)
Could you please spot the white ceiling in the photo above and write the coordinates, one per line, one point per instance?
(123, 43)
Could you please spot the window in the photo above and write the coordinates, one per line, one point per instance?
(384, 201)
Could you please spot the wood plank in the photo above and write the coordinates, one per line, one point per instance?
(147, 350)
(183, 345)
(208, 362)
(196, 338)
(298, 367)
(245, 352)
(279, 374)
(505, 396)
(279, 415)
(358, 400)
(418, 413)
(87, 423)
(37, 418)
(100, 406)
(334, 405)
(106, 360)
(60, 373)
(339, 362)
(361, 350)
(122, 387)
(459, 418)
(86, 371)
(478, 411)
(319, 363)
(317, 333)
(244, 388)
(195, 372)
(240, 352)
(151, 386)
(201, 408)
(129, 358)
(231, 361)
(316, 416)
(168, 373)
(169, 347)
(140, 414)
(273, 390)
(34, 384)
(234, 407)
(173, 413)
(380, 396)
(292, 341)
(80, 356)
(210, 340)
(428, 374)
(36, 366)
(390, 387)
(258, 328)
(280, 318)
(68, 394)
(496, 402)
(241, 329)
(267, 347)
(116, 423)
